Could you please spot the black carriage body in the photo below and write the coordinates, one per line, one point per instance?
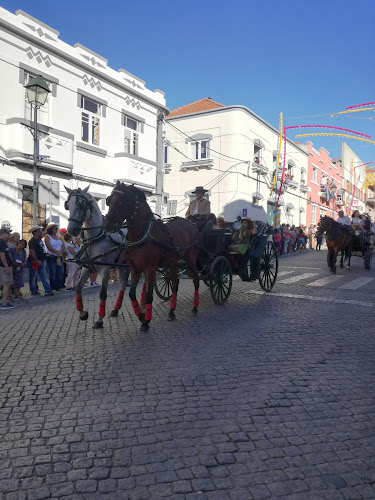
(217, 263)
(363, 245)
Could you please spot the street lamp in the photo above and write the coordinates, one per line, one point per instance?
(37, 93)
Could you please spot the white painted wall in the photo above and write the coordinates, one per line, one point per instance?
(230, 178)
(26, 42)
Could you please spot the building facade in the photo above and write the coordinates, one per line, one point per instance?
(98, 124)
(325, 184)
(232, 152)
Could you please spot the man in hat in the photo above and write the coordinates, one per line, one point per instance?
(6, 225)
(36, 261)
(199, 206)
(6, 268)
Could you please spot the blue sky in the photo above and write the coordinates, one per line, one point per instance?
(302, 58)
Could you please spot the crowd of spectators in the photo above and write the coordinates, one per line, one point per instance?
(289, 239)
(48, 256)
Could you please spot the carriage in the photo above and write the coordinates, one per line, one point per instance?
(218, 264)
(363, 244)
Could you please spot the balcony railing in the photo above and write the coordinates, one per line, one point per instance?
(258, 168)
(303, 188)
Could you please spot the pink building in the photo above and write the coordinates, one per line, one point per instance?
(324, 181)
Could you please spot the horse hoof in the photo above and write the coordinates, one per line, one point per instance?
(171, 316)
(83, 315)
(144, 328)
(113, 313)
(97, 325)
(348, 268)
(194, 311)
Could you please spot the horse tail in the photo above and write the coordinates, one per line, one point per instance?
(347, 252)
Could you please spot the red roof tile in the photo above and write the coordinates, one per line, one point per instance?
(201, 105)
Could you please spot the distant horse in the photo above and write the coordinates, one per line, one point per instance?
(152, 244)
(98, 246)
(339, 238)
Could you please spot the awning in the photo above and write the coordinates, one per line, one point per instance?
(302, 209)
(289, 206)
(292, 163)
(257, 195)
(259, 143)
(303, 170)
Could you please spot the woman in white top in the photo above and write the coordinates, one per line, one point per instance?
(55, 249)
(357, 221)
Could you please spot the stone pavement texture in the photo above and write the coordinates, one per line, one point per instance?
(266, 397)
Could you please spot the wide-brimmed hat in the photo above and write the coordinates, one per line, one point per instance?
(249, 219)
(6, 224)
(51, 224)
(200, 189)
(35, 228)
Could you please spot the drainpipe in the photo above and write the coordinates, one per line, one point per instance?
(159, 163)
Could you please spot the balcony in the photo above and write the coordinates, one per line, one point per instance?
(257, 196)
(292, 184)
(370, 201)
(303, 188)
(258, 168)
(136, 170)
(206, 164)
(277, 187)
(167, 168)
(55, 146)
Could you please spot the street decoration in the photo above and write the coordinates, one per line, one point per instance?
(359, 110)
(360, 105)
(336, 135)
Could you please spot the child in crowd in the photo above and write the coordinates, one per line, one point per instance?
(72, 267)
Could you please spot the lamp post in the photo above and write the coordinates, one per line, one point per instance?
(37, 93)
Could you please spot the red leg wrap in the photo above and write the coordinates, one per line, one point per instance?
(136, 307)
(148, 315)
(119, 299)
(143, 294)
(196, 299)
(102, 309)
(173, 300)
(79, 304)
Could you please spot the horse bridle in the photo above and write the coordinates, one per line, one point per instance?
(87, 205)
(136, 205)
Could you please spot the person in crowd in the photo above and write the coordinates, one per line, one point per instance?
(62, 232)
(6, 225)
(286, 232)
(212, 218)
(72, 267)
(6, 268)
(13, 240)
(277, 239)
(301, 240)
(343, 219)
(292, 239)
(319, 239)
(36, 262)
(55, 250)
(357, 221)
(19, 262)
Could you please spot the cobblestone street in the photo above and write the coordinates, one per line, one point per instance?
(268, 396)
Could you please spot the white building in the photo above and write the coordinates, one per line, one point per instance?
(98, 125)
(218, 147)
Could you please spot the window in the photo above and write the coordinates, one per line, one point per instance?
(43, 111)
(315, 174)
(200, 150)
(90, 124)
(165, 154)
(313, 214)
(172, 207)
(131, 135)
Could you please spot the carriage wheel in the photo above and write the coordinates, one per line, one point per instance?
(368, 258)
(220, 280)
(163, 286)
(268, 267)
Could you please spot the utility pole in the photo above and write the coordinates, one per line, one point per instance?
(159, 163)
(35, 166)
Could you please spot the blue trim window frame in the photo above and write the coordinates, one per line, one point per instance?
(90, 121)
(201, 150)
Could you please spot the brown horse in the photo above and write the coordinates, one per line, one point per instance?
(152, 244)
(339, 238)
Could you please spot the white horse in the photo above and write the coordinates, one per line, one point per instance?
(97, 246)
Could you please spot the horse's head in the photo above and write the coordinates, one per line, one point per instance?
(80, 206)
(123, 203)
(324, 225)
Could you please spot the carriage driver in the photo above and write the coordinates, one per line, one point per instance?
(199, 206)
(345, 222)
